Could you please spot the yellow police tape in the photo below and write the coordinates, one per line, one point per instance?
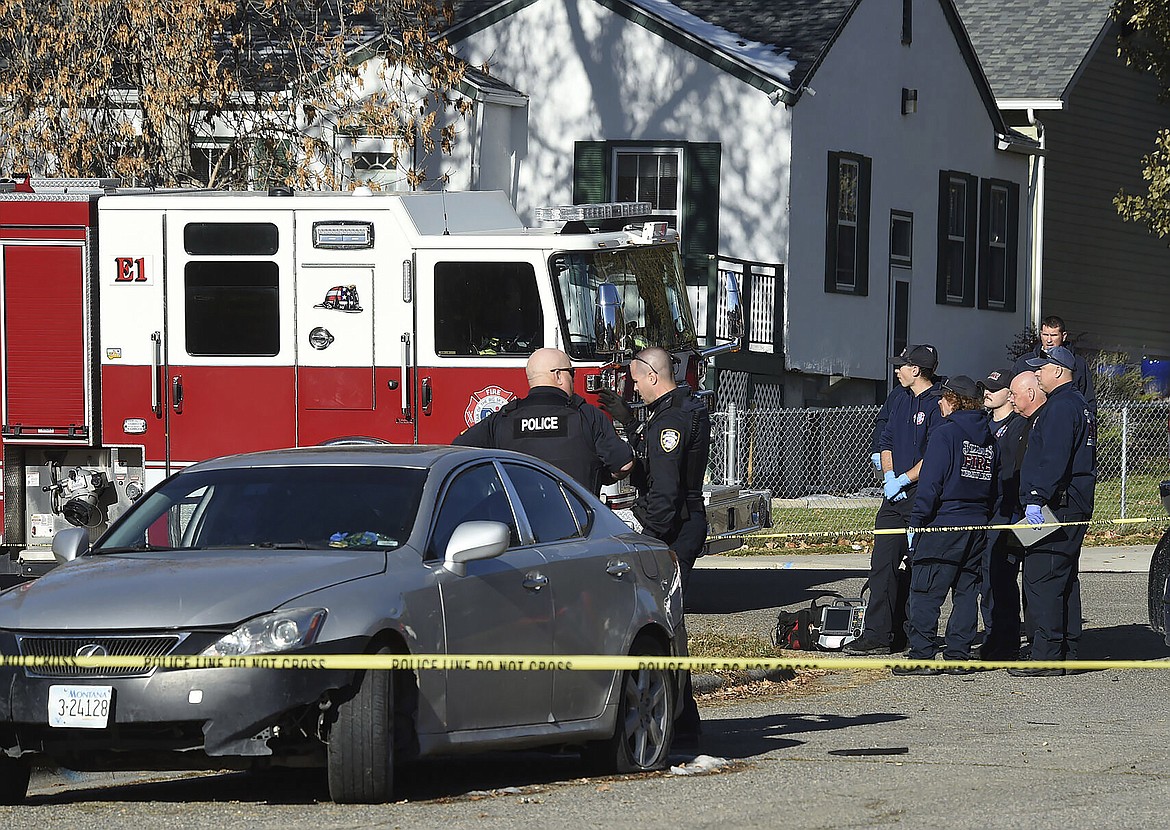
(901, 531)
(546, 662)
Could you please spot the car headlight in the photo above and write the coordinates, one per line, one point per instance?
(272, 633)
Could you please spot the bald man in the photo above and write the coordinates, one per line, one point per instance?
(556, 425)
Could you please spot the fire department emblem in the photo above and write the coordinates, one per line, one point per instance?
(669, 439)
(341, 298)
(484, 402)
(919, 418)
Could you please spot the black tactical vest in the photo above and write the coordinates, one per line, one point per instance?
(553, 432)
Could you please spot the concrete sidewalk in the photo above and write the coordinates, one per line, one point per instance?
(1119, 559)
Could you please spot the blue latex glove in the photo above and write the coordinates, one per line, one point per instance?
(876, 458)
(893, 486)
(1033, 515)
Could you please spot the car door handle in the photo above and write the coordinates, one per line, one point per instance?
(535, 581)
(618, 568)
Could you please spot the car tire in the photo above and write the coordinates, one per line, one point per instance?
(14, 776)
(360, 759)
(644, 725)
(1159, 575)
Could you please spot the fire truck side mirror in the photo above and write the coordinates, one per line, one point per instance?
(735, 324)
(70, 543)
(608, 321)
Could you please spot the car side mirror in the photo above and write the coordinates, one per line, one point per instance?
(470, 542)
(609, 325)
(70, 543)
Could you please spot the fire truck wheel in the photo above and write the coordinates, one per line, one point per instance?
(644, 725)
(14, 775)
(361, 741)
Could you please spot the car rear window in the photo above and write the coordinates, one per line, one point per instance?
(310, 507)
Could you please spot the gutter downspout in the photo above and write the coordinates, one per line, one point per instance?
(1037, 224)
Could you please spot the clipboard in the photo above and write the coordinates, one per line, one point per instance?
(1030, 534)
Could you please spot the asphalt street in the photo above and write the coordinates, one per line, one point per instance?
(839, 749)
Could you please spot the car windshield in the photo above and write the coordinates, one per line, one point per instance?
(294, 508)
(654, 298)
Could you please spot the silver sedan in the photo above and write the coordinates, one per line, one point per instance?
(343, 550)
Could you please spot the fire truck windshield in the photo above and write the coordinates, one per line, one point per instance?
(654, 298)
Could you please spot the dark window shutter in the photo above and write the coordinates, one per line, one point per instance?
(971, 239)
(1013, 248)
(832, 196)
(972, 248)
(591, 163)
(944, 193)
(984, 241)
(863, 227)
(700, 216)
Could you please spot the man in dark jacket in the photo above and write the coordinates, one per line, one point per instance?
(956, 489)
(556, 425)
(1003, 553)
(913, 413)
(1059, 471)
(1052, 334)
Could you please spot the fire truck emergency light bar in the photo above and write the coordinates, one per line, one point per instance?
(599, 210)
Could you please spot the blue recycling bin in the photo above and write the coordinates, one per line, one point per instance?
(1156, 374)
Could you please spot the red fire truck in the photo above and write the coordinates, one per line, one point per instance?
(141, 332)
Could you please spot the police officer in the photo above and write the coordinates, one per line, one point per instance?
(956, 489)
(1003, 552)
(1058, 472)
(913, 415)
(671, 446)
(556, 425)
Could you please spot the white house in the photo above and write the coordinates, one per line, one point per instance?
(852, 148)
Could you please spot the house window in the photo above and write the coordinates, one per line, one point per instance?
(212, 164)
(907, 21)
(957, 226)
(847, 233)
(649, 176)
(998, 241)
(901, 239)
(376, 160)
(659, 172)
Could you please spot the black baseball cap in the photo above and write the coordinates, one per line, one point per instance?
(996, 380)
(924, 357)
(1058, 355)
(962, 385)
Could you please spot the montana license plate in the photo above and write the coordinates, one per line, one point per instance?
(80, 707)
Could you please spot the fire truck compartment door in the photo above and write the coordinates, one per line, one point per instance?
(46, 343)
(335, 338)
(229, 333)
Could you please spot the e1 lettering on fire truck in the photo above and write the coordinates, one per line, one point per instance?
(145, 331)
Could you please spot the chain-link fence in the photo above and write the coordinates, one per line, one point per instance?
(816, 462)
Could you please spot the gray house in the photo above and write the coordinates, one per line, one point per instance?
(846, 157)
(1054, 69)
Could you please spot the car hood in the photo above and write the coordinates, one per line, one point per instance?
(183, 589)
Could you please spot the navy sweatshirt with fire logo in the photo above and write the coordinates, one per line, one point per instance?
(958, 483)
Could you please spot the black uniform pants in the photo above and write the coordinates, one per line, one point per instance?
(889, 584)
(1052, 588)
(1001, 596)
(949, 561)
(687, 543)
